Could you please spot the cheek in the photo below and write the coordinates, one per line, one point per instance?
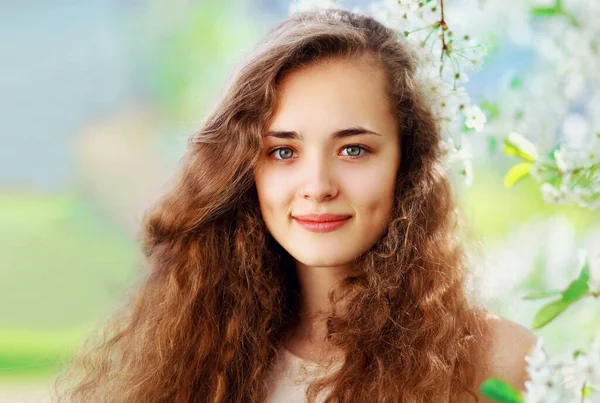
(373, 196)
(273, 192)
(375, 204)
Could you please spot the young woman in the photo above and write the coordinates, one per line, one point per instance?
(311, 226)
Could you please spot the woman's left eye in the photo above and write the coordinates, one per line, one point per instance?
(355, 149)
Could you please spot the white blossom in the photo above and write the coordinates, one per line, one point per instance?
(407, 6)
(593, 355)
(574, 85)
(523, 144)
(586, 366)
(561, 158)
(546, 382)
(550, 194)
(575, 130)
(475, 118)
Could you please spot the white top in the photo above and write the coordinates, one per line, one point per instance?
(291, 376)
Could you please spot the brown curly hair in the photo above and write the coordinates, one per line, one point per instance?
(207, 322)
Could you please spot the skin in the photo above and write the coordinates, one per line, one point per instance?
(317, 174)
(505, 359)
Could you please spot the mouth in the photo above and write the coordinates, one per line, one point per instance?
(322, 226)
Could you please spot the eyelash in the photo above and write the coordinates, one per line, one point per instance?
(283, 160)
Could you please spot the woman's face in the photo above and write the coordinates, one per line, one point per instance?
(332, 147)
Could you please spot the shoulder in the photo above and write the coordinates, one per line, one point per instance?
(508, 343)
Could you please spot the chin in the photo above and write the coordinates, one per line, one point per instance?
(325, 259)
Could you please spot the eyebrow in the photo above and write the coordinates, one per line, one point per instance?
(339, 134)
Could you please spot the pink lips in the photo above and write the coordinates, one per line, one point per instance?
(322, 222)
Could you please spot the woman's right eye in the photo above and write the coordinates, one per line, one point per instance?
(287, 151)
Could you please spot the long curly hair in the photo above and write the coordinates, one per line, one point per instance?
(208, 320)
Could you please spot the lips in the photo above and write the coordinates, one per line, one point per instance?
(322, 222)
(322, 217)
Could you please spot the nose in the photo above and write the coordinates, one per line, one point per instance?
(318, 182)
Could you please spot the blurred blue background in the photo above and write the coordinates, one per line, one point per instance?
(98, 99)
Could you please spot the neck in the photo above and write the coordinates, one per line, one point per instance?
(314, 306)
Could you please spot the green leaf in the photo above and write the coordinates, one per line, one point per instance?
(516, 83)
(541, 294)
(576, 290)
(516, 173)
(577, 353)
(556, 11)
(498, 390)
(549, 312)
(550, 153)
(492, 144)
(584, 275)
(491, 108)
(545, 11)
(586, 391)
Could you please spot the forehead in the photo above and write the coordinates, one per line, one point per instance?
(327, 96)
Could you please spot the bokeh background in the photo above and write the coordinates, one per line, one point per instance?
(97, 99)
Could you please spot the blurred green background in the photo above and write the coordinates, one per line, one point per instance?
(98, 99)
